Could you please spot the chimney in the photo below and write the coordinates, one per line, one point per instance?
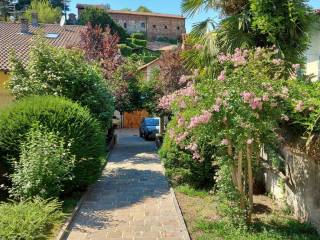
(34, 17)
(24, 26)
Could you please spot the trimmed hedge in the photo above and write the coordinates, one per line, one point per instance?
(125, 50)
(72, 121)
(138, 42)
(138, 35)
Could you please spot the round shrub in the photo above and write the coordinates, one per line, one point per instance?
(72, 121)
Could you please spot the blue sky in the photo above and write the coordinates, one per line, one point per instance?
(160, 6)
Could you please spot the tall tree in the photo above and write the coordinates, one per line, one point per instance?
(46, 12)
(101, 46)
(62, 4)
(143, 9)
(99, 17)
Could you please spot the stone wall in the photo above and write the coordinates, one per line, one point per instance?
(155, 27)
(171, 28)
(131, 23)
(301, 188)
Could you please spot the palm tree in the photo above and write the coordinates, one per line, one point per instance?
(282, 23)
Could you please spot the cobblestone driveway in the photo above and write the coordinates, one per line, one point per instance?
(132, 200)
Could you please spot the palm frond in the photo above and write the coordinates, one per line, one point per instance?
(192, 7)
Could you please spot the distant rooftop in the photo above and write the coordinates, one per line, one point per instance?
(12, 39)
(152, 14)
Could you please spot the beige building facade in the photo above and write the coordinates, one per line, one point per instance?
(155, 25)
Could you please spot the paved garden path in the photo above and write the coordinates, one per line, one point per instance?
(132, 200)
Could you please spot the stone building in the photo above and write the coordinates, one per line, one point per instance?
(154, 25)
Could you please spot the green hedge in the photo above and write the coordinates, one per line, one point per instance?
(138, 35)
(125, 49)
(138, 42)
(69, 119)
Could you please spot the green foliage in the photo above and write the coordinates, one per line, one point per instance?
(138, 35)
(97, 16)
(191, 192)
(255, 23)
(139, 42)
(72, 122)
(125, 50)
(125, 87)
(181, 168)
(143, 9)
(29, 220)
(62, 72)
(46, 12)
(45, 163)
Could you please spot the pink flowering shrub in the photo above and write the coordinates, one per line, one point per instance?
(242, 105)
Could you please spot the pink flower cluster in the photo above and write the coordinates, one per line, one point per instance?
(225, 142)
(183, 79)
(216, 107)
(238, 58)
(222, 76)
(201, 119)
(181, 137)
(166, 101)
(188, 91)
(254, 102)
(299, 107)
(193, 147)
(277, 61)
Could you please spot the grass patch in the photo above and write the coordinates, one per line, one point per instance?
(200, 212)
(192, 192)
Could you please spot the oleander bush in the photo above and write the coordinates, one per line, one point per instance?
(180, 166)
(73, 123)
(44, 164)
(29, 220)
(62, 72)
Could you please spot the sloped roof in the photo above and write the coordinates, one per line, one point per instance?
(151, 14)
(12, 39)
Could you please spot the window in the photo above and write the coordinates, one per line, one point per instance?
(154, 26)
(178, 28)
(165, 27)
(125, 25)
(143, 25)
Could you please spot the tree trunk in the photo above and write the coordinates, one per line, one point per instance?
(240, 184)
(250, 182)
(161, 130)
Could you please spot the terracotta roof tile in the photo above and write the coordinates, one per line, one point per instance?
(12, 39)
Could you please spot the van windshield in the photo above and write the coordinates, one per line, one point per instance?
(151, 121)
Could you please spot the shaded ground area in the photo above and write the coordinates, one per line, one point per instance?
(200, 212)
(132, 200)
